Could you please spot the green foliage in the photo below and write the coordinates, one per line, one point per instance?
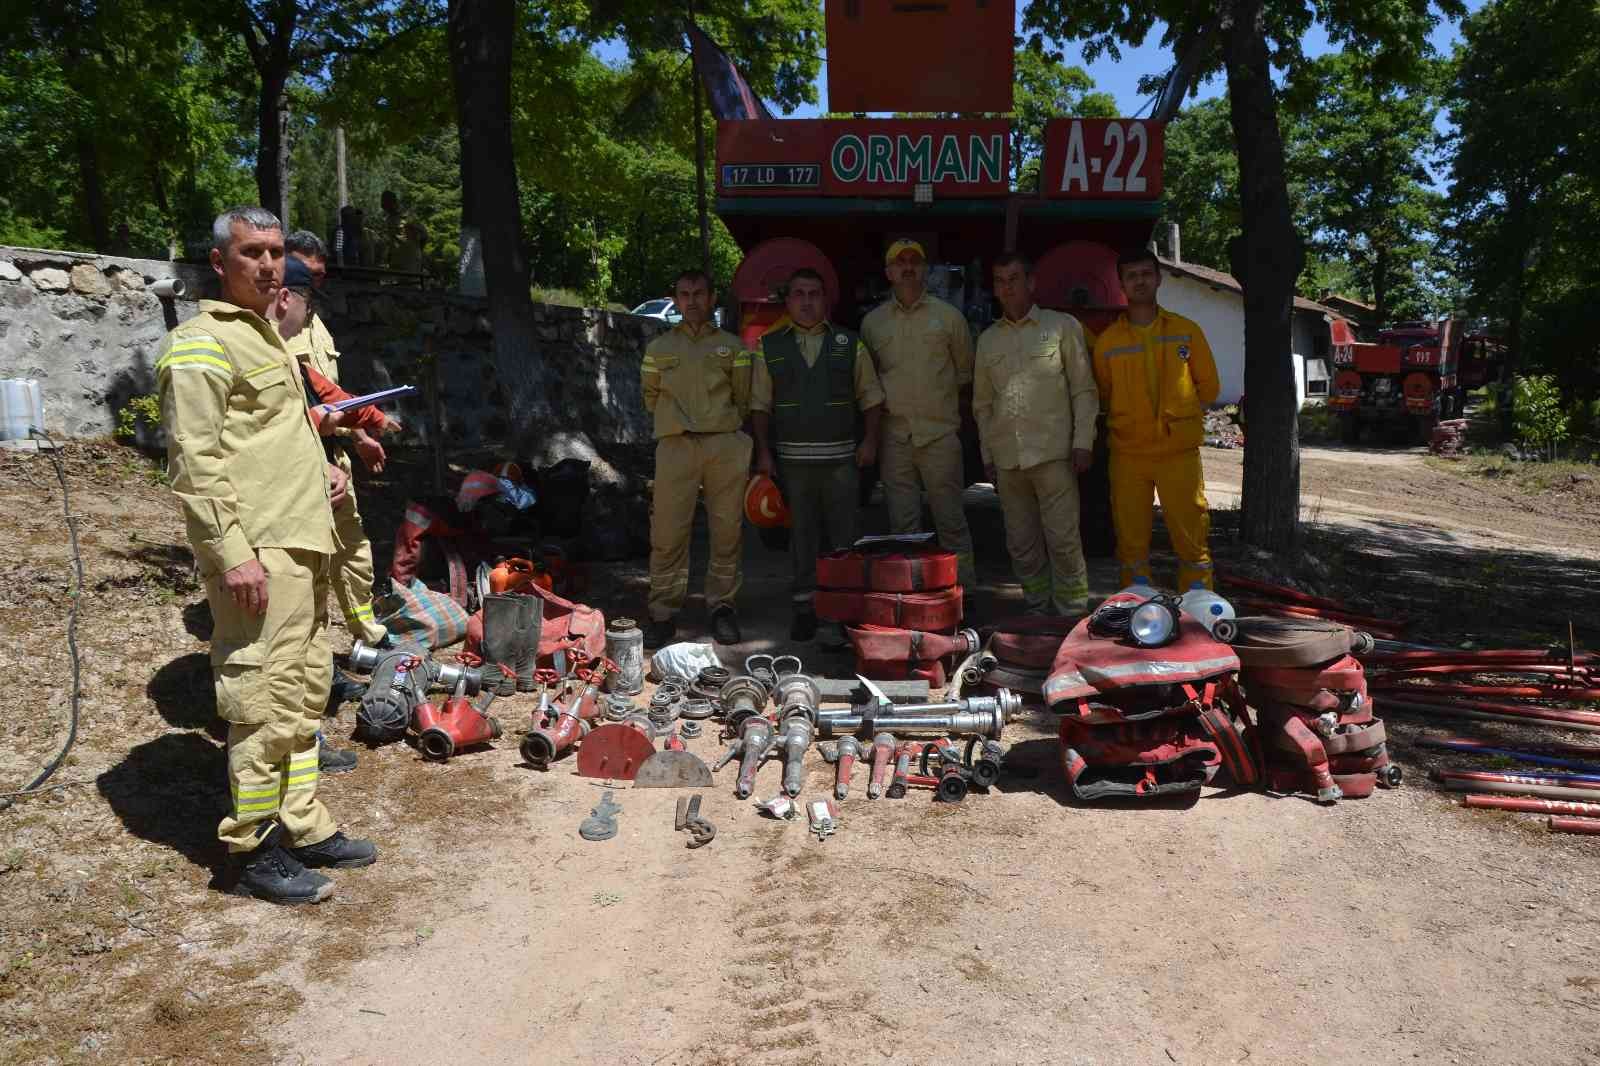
(1525, 192)
(1318, 424)
(1202, 182)
(1538, 413)
(1357, 149)
(1047, 88)
(138, 411)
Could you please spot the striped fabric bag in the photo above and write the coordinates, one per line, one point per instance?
(416, 614)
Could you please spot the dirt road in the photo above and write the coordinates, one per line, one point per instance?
(1017, 927)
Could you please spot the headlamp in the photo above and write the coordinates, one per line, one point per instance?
(1154, 622)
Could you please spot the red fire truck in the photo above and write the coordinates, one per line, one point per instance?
(1416, 374)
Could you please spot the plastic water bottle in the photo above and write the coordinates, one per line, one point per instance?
(1205, 606)
(1140, 588)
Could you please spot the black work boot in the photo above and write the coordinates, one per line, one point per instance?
(331, 760)
(339, 851)
(659, 634)
(273, 874)
(530, 627)
(501, 641)
(804, 626)
(725, 626)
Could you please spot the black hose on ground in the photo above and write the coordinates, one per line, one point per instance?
(72, 624)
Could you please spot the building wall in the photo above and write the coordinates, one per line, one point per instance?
(1220, 313)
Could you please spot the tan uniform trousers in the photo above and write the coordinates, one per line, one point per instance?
(935, 468)
(272, 673)
(686, 463)
(352, 569)
(1040, 505)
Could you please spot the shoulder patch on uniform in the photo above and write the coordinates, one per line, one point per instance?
(1183, 352)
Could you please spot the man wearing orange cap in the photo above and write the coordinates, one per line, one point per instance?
(813, 391)
(923, 351)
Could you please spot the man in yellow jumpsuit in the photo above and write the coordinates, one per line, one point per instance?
(1156, 378)
(696, 382)
(257, 496)
(1034, 396)
(352, 552)
(923, 351)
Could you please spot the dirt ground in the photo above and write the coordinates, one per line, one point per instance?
(1017, 927)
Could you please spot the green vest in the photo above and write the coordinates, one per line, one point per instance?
(813, 407)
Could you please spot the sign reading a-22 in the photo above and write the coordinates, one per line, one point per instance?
(1103, 159)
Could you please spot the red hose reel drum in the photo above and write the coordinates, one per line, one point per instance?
(1078, 274)
(767, 267)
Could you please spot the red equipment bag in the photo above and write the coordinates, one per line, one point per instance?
(1139, 760)
(566, 625)
(1088, 666)
(1030, 642)
(909, 610)
(914, 571)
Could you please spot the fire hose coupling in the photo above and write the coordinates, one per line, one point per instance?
(843, 755)
(797, 735)
(742, 697)
(443, 731)
(784, 665)
(882, 755)
(756, 741)
(985, 759)
(902, 770)
(984, 716)
(760, 668)
(953, 777)
(797, 694)
(434, 674)
(970, 637)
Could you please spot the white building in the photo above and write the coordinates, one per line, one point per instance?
(1216, 301)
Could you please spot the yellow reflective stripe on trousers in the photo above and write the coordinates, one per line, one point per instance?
(302, 771)
(249, 800)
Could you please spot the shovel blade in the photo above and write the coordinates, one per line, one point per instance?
(673, 769)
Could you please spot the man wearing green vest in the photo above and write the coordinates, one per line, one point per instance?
(813, 392)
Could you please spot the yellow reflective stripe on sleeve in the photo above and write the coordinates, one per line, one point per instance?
(649, 366)
(742, 359)
(177, 361)
(196, 344)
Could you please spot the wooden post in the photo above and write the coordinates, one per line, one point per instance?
(339, 166)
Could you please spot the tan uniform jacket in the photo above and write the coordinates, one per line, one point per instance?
(869, 393)
(1033, 391)
(242, 457)
(314, 345)
(696, 383)
(924, 358)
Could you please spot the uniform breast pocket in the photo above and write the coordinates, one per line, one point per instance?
(841, 379)
(668, 366)
(266, 392)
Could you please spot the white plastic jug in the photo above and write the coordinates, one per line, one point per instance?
(1141, 588)
(21, 407)
(1205, 606)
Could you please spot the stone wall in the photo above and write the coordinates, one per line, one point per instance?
(89, 329)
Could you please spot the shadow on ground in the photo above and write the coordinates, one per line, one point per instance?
(172, 791)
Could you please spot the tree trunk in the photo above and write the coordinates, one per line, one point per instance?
(1266, 258)
(700, 161)
(271, 161)
(94, 193)
(481, 36)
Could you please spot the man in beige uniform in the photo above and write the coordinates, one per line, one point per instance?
(1035, 400)
(696, 381)
(352, 552)
(257, 496)
(923, 350)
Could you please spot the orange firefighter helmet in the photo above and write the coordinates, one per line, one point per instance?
(763, 503)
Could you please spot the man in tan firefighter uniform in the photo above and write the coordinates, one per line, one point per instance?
(352, 552)
(1034, 397)
(1156, 378)
(696, 382)
(813, 382)
(923, 352)
(257, 496)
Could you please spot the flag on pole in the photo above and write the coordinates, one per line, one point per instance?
(730, 95)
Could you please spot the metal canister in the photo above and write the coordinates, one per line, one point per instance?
(625, 647)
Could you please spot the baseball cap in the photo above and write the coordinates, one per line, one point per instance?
(296, 275)
(903, 245)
